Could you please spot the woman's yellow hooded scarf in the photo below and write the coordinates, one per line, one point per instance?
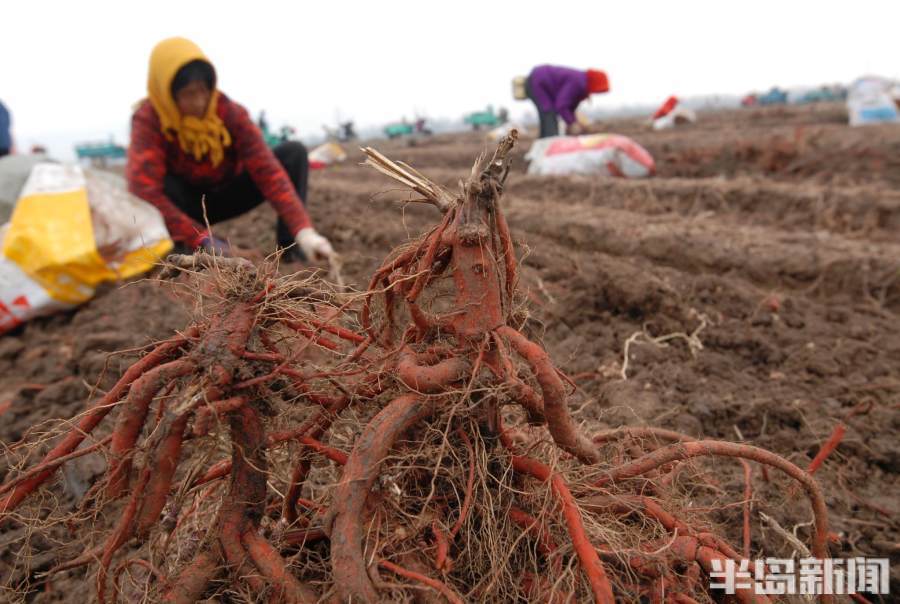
(197, 137)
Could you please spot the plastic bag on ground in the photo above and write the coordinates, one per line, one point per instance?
(325, 155)
(14, 172)
(870, 101)
(495, 134)
(672, 113)
(678, 116)
(603, 154)
(72, 229)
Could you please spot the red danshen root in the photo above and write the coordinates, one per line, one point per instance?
(359, 450)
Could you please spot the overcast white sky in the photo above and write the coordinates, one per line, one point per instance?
(71, 70)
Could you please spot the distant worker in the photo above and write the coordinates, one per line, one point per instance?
(5, 136)
(557, 92)
(348, 132)
(191, 144)
(421, 126)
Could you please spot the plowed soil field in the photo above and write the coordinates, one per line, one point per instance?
(749, 292)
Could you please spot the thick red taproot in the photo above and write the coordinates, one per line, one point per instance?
(132, 417)
(191, 582)
(94, 416)
(430, 379)
(563, 430)
(348, 564)
(164, 462)
(245, 503)
(270, 563)
(478, 303)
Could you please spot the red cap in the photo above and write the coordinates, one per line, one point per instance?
(597, 81)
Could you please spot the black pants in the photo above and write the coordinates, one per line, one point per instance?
(548, 120)
(241, 194)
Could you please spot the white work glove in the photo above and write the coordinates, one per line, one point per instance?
(313, 245)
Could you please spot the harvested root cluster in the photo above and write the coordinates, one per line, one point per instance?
(406, 443)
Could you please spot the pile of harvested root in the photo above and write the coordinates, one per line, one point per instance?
(408, 442)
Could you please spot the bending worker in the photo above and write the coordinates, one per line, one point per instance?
(193, 146)
(557, 92)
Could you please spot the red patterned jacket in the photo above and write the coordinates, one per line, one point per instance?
(151, 156)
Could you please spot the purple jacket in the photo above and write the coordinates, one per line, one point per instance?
(558, 89)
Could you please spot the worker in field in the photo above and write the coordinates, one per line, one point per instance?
(193, 147)
(5, 135)
(557, 92)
